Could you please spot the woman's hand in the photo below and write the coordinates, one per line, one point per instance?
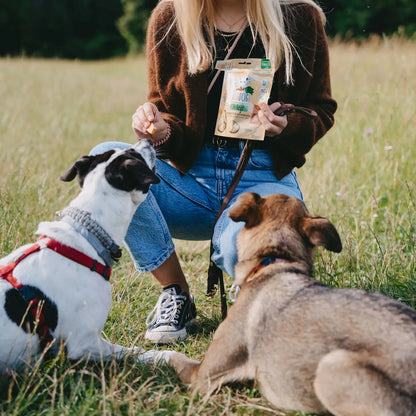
(146, 115)
(273, 124)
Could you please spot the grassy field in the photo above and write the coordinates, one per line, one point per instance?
(361, 176)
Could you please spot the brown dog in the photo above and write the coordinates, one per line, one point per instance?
(310, 347)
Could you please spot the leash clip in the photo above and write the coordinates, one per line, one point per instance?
(233, 292)
(115, 252)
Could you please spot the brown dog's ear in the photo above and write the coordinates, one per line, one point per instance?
(247, 208)
(320, 232)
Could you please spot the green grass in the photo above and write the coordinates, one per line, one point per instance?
(361, 176)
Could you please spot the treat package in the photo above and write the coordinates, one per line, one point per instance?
(247, 82)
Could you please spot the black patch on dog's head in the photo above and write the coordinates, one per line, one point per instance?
(16, 309)
(129, 171)
(83, 166)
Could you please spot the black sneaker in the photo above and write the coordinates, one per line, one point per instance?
(174, 311)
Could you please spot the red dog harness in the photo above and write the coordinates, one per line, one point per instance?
(34, 303)
(6, 272)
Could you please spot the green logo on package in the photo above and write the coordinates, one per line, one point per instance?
(249, 90)
(238, 107)
(266, 64)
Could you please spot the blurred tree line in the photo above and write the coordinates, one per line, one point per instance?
(357, 19)
(84, 29)
(94, 29)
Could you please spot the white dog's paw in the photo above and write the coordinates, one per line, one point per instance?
(155, 357)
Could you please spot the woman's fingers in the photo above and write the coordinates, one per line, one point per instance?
(142, 120)
(147, 123)
(272, 124)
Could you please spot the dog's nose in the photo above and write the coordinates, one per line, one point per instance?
(142, 144)
(148, 142)
(145, 148)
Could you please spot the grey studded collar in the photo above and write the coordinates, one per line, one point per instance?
(93, 232)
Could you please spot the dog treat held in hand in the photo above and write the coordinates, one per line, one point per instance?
(151, 129)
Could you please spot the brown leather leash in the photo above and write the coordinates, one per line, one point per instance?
(215, 274)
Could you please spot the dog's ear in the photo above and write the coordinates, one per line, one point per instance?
(320, 232)
(80, 167)
(84, 165)
(247, 208)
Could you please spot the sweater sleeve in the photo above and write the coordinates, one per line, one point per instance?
(312, 89)
(162, 67)
(172, 90)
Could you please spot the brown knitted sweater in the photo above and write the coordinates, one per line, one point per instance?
(182, 98)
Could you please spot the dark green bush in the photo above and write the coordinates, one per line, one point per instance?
(83, 29)
(133, 23)
(361, 18)
(93, 29)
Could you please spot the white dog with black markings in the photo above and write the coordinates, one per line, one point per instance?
(57, 290)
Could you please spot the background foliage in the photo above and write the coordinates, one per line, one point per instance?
(93, 29)
(82, 29)
(132, 24)
(361, 18)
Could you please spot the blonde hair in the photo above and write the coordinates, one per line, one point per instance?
(265, 17)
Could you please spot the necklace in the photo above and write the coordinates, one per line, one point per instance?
(229, 25)
(227, 37)
(225, 34)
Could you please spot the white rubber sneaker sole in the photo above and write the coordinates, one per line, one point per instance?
(165, 336)
(154, 357)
